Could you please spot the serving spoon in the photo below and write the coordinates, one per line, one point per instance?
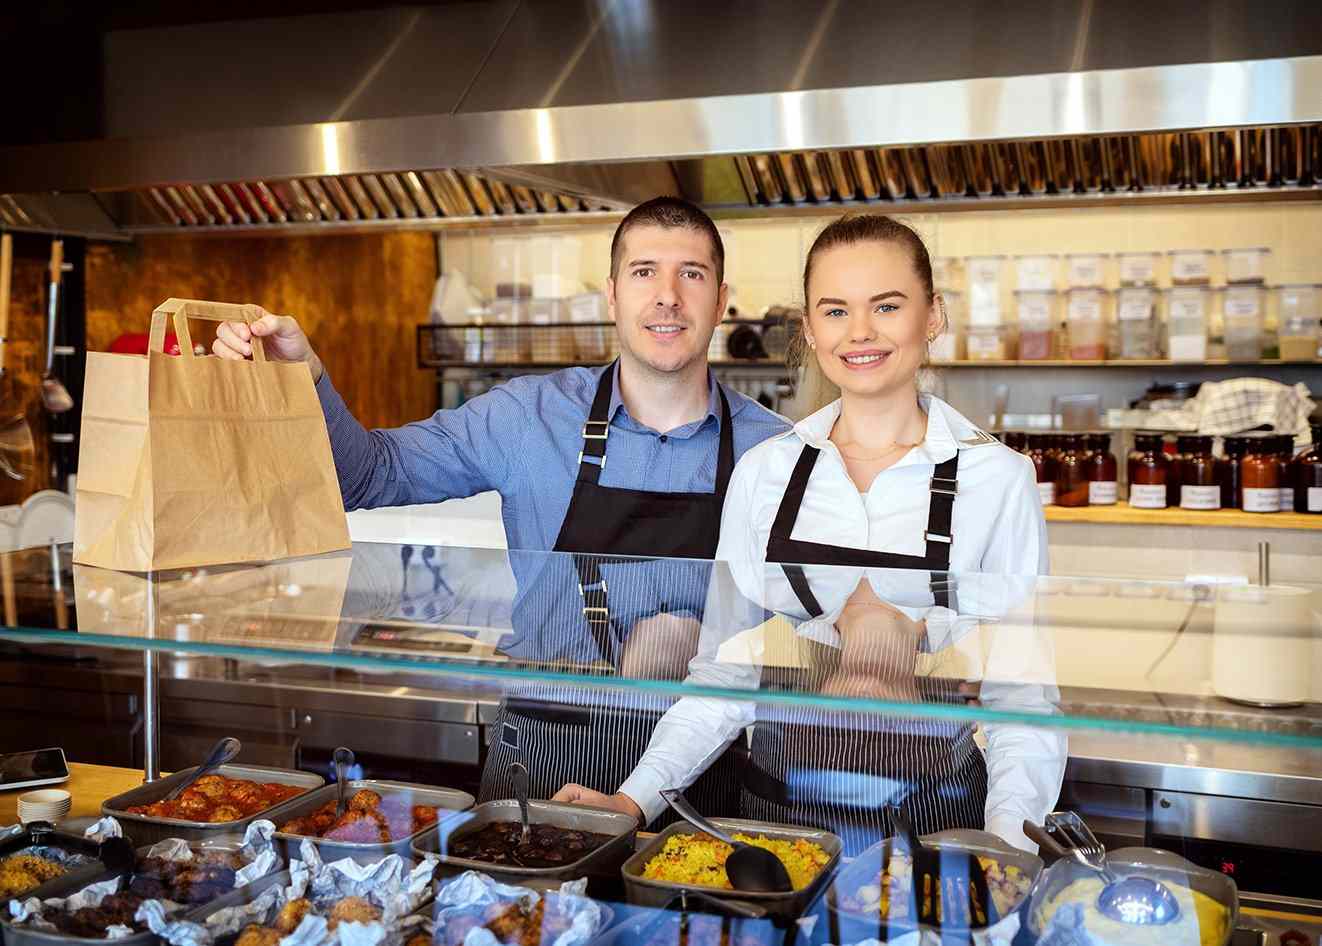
(518, 773)
(223, 751)
(344, 760)
(750, 868)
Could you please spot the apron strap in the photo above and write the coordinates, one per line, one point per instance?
(940, 508)
(597, 428)
(788, 513)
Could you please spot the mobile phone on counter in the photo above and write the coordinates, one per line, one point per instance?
(38, 767)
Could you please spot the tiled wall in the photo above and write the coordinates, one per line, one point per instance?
(765, 263)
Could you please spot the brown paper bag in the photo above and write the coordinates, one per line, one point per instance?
(189, 461)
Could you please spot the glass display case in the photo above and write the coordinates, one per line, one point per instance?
(813, 709)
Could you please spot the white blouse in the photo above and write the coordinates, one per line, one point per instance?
(999, 544)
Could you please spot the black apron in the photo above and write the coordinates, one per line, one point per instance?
(586, 739)
(837, 770)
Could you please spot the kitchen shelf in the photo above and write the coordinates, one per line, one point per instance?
(1122, 514)
(1131, 363)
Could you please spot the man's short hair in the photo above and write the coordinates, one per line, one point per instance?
(669, 213)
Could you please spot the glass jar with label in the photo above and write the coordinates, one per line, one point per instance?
(1284, 457)
(1260, 475)
(1228, 470)
(1035, 273)
(1086, 318)
(1102, 486)
(1136, 316)
(1044, 466)
(989, 343)
(1191, 267)
(1242, 310)
(1298, 313)
(1186, 319)
(984, 289)
(1137, 269)
(1198, 487)
(1246, 267)
(1072, 473)
(1037, 318)
(1085, 270)
(1306, 476)
(1147, 470)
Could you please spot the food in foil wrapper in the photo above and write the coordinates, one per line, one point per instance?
(475, 910)
(33, 866)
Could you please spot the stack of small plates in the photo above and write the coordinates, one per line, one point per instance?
(48, 804)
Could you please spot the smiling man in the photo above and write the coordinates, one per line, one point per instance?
(631, 459)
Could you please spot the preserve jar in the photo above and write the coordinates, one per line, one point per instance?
(1016, 440)
(1198, 489)
(1102, 490)
(1044, 466)
(1072, 473)
(1228, 470)
(1260, 475)
(1306, 475)
(1147, 470)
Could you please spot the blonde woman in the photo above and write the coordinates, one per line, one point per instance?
(899, 494)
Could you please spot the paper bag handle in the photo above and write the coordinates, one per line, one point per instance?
(181, 310)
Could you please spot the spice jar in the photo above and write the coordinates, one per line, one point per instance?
(1260, 474)
(1306, 475)
(1198, 489)
(1102, 490)
(1228, 470)
(1072, 473)
(1016, 440)
(1044, 466)
(1284, 455)
(1147, 469)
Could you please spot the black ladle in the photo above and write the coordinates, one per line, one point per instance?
(750, 868)
(223, 751)
(343, 760)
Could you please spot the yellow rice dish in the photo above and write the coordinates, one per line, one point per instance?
(700, 859)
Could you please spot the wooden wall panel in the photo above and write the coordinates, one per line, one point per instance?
(359, 297)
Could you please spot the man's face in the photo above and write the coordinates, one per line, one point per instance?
(665, 298)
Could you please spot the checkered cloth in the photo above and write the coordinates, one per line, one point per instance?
(1229, 407)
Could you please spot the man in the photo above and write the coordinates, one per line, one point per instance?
(671, 434)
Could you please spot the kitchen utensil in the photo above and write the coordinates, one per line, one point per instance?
(956, 874)
(17, 452)
(748, 867)
(223, 751)
(519, 776)
(344, 760)
(1136, 899)
(53, 393)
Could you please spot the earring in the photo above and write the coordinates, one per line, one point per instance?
(931, 336)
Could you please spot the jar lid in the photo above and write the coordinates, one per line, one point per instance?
(1099, 440)
(1153, 437)
(1238, 444)
(1194, 443)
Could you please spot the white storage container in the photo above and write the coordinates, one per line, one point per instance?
(1037, 323)
(984, 282)
(1246, 266)
(1299, 314)
(1136, 318)
(1242, 311)
(1086, 320)
(1035, 273)
(1191, 267)
(1085, 270)
(1138, 269)
(1186, 319)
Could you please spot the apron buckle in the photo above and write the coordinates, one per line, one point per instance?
(599, 585)
(605, 430)
(950, 490)
(935, 537)
(600, 466)
(602, 615)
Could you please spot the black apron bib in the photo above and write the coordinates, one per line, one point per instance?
(593, 745)
(837, 770)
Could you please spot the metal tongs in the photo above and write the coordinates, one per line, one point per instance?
(223, 751)
(949, 886)
(344, 760)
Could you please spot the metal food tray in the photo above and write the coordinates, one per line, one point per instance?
(1151, 862)
(431, 796)
(69, 884)
(603, 861)
(428, 910)
(37, 836)
(643, 924)
(147, 829)
(784, 906)
(851, 926)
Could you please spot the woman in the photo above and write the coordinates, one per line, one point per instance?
(893, 489)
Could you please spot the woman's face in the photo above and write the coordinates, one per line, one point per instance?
(869, 317)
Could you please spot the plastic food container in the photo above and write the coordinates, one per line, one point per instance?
(1085, 270)
(1242, 311)
(1037, 321)
(1246, 266)
(984, 289)
(605, 860)
(1137, 269)
(441, 798)
(1186, 319)
(848, 926)
(1086, 319)
(1298, 312)
(144, 829)
(949, 345)
(1035, 273)
(1136, 316)
(1191, 267)
(785, 906)
(989, 343)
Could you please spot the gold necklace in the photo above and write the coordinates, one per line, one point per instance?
(885, 453)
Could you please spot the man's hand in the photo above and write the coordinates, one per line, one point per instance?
(578, 795)
(282, 336)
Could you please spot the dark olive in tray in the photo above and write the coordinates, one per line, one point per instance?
(499, 842)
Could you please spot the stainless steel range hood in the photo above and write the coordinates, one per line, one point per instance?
(523, 111)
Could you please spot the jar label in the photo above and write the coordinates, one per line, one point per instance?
(1242, 303)
(1102, 493)
(1261, 500)
(1287, 499)
(988, 345)
(1034, 310)
(1135, 305)
(1086, 306)
(1036, 272)
(1315, 499)
(1147, 497)
(1137, 270)
(1200, 497)
(1085, 271)
(1047, 493)
(1188, 267)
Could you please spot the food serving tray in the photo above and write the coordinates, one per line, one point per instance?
(40, 834)
(148, 829)
(1160, 865)
(431, 796)
(605, 860)
(849, 926)
(783, 906)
